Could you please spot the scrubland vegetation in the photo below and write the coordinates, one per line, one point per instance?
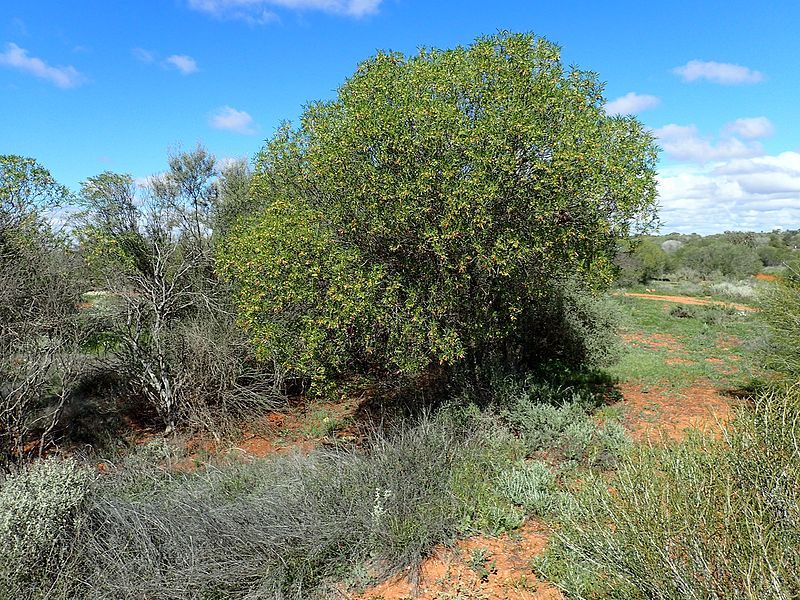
(405, 243)
(720, 264)
(707, 518)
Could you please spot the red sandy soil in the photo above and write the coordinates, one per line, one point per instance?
(728, 342)
(658, 413)
(655, 415)
(676, 360)
(653, 341)
(276, 432)
(448, 574)
(690, 300)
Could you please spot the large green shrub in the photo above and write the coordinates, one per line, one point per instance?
(717, 256)
(640, 261)
(425, 214)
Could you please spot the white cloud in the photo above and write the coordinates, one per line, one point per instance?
(631, 103)
(185, 64)
(142, 55)
(227, 162)
(751, 128)
(63, 77)
(230, 119)
(684, 142)
(722, 73)
(759, 193)
(258, 12)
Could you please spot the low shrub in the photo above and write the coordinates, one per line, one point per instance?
(532, 485)
(712, 314)
(682, 311)
(290, 526)
(557, 424)
(686, 275)
(717, 315)
(40, 509)
(296, 526)
(740, 290)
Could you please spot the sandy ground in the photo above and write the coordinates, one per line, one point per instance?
(504, 573)
(691, 300)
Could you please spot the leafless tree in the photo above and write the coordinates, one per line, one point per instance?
(175, 339)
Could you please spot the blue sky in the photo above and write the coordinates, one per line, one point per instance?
(88, 86)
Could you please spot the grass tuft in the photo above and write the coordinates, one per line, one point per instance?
(705, 518)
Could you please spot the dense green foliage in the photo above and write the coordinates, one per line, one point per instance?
(640, 261)
(426, 214)
(721, 257)
(27, 189)
(729, 255)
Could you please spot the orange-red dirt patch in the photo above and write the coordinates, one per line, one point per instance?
(728, 342)
(766, 277)
(676, 360)
(503, 572)
(295, 429)
(655, 414)
(653, 341)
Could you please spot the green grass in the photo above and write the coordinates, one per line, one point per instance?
(709, 343)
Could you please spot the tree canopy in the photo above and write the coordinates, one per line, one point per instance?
(426, 213)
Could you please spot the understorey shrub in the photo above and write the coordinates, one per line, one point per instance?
(296, 526)
(41, 511)
(289, 527)
(531, 485)
(558, 424)
(40, 333)
(780, 317)
(170, 327)
(706, 518)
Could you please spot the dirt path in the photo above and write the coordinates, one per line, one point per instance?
(691, 300)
